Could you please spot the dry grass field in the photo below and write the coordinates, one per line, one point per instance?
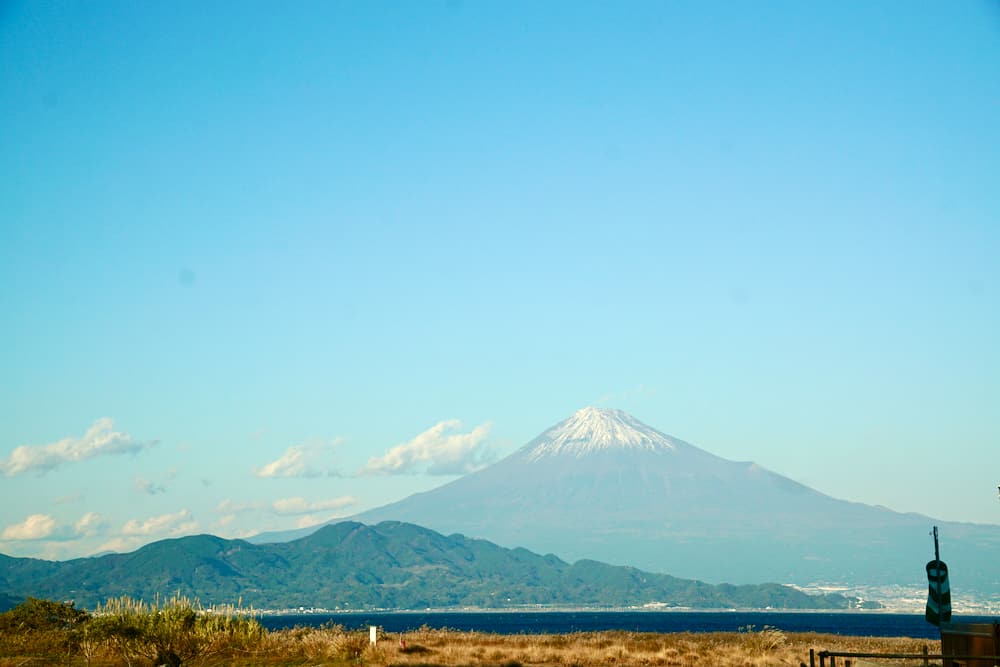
(334, 647)
(132, 634)
(743, 649)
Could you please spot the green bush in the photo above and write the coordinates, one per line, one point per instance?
(41, 615)
(41, 628)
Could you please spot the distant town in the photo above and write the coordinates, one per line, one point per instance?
(908, 599)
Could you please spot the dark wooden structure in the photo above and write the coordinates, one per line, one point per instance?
(962, 645)
(959, 640)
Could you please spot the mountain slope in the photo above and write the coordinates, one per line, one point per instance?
(603, 485)
(391, 565)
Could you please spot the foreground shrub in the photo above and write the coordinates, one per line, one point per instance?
(41, 627)
(35, 614)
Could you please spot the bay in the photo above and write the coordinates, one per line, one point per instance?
(562, 622)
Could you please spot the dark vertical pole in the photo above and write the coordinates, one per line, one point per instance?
(996, 640)
(812, 657)
(937, 564)
(926, 662)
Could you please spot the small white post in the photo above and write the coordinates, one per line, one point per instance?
(372, 634)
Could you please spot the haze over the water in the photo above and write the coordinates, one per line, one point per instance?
(262, 266)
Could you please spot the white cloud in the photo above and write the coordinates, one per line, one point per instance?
(165, 524)
(45, 527)
(300, 461)
(293, 463)
(437, 451)
(90, 525)
(35, 527)
(286, 506)
(99, 440)
(119, 545)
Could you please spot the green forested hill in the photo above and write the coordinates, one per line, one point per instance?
(391, 565)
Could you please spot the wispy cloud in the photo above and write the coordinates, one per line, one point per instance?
(119, 544)
(440, 450)
(90, 524)
(178, 523)
(286, 506)
(46, 527)
(308, 460)
(135, 532)
(99, 440)
(35, 527)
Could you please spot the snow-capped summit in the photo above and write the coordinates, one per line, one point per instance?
(602, 485)
(597, 429)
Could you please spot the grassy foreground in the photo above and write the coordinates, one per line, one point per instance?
(750, 647)
(132, 633)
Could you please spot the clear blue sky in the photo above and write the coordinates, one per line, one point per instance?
(263, 264)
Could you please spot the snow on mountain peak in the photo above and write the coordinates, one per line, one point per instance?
(597, 429)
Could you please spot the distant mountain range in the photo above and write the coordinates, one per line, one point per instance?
(389, 566)
(601, 484)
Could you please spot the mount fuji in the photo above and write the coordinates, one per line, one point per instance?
(603, 485)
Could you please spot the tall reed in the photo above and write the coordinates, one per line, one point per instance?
(171, 631)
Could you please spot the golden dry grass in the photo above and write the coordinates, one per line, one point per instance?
(335, 647)
(743, 649)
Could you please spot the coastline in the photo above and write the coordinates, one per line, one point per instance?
(538, 622)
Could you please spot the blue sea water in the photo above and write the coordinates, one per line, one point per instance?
(530, 622)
